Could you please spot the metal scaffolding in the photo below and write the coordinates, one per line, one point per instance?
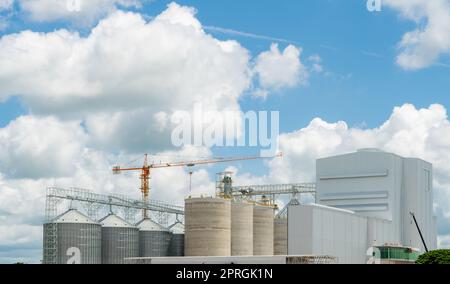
(271, 191)
(92, 204)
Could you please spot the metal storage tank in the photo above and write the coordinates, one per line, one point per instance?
(120, 240)
(176, 247)
(77, 239)
(154, 239)
(263, 230)
(208, 227)
(280, 236)
(241, 229)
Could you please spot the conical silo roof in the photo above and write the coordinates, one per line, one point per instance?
(73, 216)
(177, 228)
(114, 221)
(148, 225)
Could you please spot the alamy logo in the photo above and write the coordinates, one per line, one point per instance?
(75, 255)
(227, 129)
(374, 5)
(73, 5)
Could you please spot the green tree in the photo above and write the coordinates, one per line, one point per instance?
(435, 257)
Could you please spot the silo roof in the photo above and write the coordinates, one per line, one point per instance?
(149, 225)
(114, 221)
(74, 216)
(177, 228)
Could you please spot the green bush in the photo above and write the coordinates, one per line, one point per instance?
(435, 257)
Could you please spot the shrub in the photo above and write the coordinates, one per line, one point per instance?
(435, 257)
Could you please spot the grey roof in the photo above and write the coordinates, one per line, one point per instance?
(73, 216)
(147, 225)
(114, 221)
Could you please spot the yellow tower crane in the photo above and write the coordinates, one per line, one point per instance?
(146, 170)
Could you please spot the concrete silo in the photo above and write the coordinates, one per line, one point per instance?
(76, 239)
(280, 236)
(208, 227)
(120, 240)
(176, 247)
(241, 229)
(263, 230)
(154, 239)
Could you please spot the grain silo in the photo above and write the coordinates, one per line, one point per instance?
(76, 239)
(208, 227)
(280, 236)
(154, 239)
(120, 240)
(263, 230)
(241, 229)
(176, 247)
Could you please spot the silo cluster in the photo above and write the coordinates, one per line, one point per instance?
(73, 238)
(220, 227)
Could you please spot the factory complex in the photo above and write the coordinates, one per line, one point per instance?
(369, 206)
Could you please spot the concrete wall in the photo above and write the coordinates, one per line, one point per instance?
(263, 230)
(208, 227)
(241, 229)
(280, 236)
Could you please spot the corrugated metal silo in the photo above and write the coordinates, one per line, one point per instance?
(208, 227)
(176, 247)
(154, 239)
(263, 230)
(280, 236)
(77, 239)
(120, 240)
(241, 229)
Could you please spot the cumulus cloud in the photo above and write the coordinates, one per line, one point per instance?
(79, 11)
(39, 147)
(423, 46)
(277, 69)
(125, 68)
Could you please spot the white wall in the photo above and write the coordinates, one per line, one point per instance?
(418, 198)
(314, 230)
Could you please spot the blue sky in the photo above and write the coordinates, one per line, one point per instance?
(54, 131)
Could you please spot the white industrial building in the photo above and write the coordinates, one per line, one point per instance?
(366, 199)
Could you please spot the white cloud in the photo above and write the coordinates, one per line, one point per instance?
(125, 73)
(83, 12)
(39, 147)
(276, 69)
(423, 46)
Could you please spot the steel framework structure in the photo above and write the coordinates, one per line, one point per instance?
(92, 203)
(271, 191)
